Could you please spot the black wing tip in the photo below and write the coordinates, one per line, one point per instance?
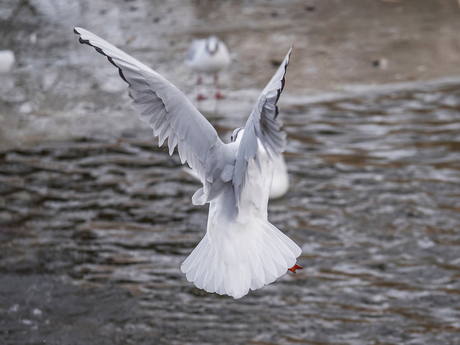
(101, 51)
(80, 39)
(288, 58)
(283, 80)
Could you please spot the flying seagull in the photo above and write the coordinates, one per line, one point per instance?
(241, 249)
(209, 56)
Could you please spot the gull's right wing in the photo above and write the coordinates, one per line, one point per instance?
(262, 125)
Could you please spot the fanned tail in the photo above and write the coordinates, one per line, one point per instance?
(240, 258)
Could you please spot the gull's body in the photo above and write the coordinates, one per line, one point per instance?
(241, 249)
(280, 181)
(210, 56)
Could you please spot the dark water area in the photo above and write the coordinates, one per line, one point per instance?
(93, 231)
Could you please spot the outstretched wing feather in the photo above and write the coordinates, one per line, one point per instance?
(263, 125)
(159, 103)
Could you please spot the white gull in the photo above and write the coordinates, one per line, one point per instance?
(208, 56)
(241, 249)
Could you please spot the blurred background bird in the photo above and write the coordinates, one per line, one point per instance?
(208, 56)
(6, 61)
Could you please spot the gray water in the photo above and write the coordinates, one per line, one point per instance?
(93, 231)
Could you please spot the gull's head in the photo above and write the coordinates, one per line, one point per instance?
(237, 135)
(212, 45)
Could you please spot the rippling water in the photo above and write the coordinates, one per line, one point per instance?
(92, 234)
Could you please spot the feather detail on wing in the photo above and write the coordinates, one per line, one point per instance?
(166, 109)
(262, 126)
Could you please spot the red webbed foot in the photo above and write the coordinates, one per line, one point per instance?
(218, 95)
(294, 268)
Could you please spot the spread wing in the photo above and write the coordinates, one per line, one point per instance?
(262, 125)
(166, 109)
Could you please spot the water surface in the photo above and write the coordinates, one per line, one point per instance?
(93, 231)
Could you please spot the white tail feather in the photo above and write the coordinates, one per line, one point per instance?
(240, 258)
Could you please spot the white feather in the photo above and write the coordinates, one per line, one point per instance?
(280, 182)
(244, 253)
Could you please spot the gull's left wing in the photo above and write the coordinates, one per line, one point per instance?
(166, 109)
(263, 125)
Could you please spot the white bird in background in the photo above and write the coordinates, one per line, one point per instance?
(208, 56)
(280, 181)
(241, 249)
(6, 61)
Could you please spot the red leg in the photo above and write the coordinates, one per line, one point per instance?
(294, 268)
(216, 84)
(199, 96)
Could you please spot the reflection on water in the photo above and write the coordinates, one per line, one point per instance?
(374, 204)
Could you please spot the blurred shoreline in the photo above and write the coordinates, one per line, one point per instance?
(60, 89)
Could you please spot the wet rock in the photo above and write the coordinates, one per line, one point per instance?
(381, 63)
